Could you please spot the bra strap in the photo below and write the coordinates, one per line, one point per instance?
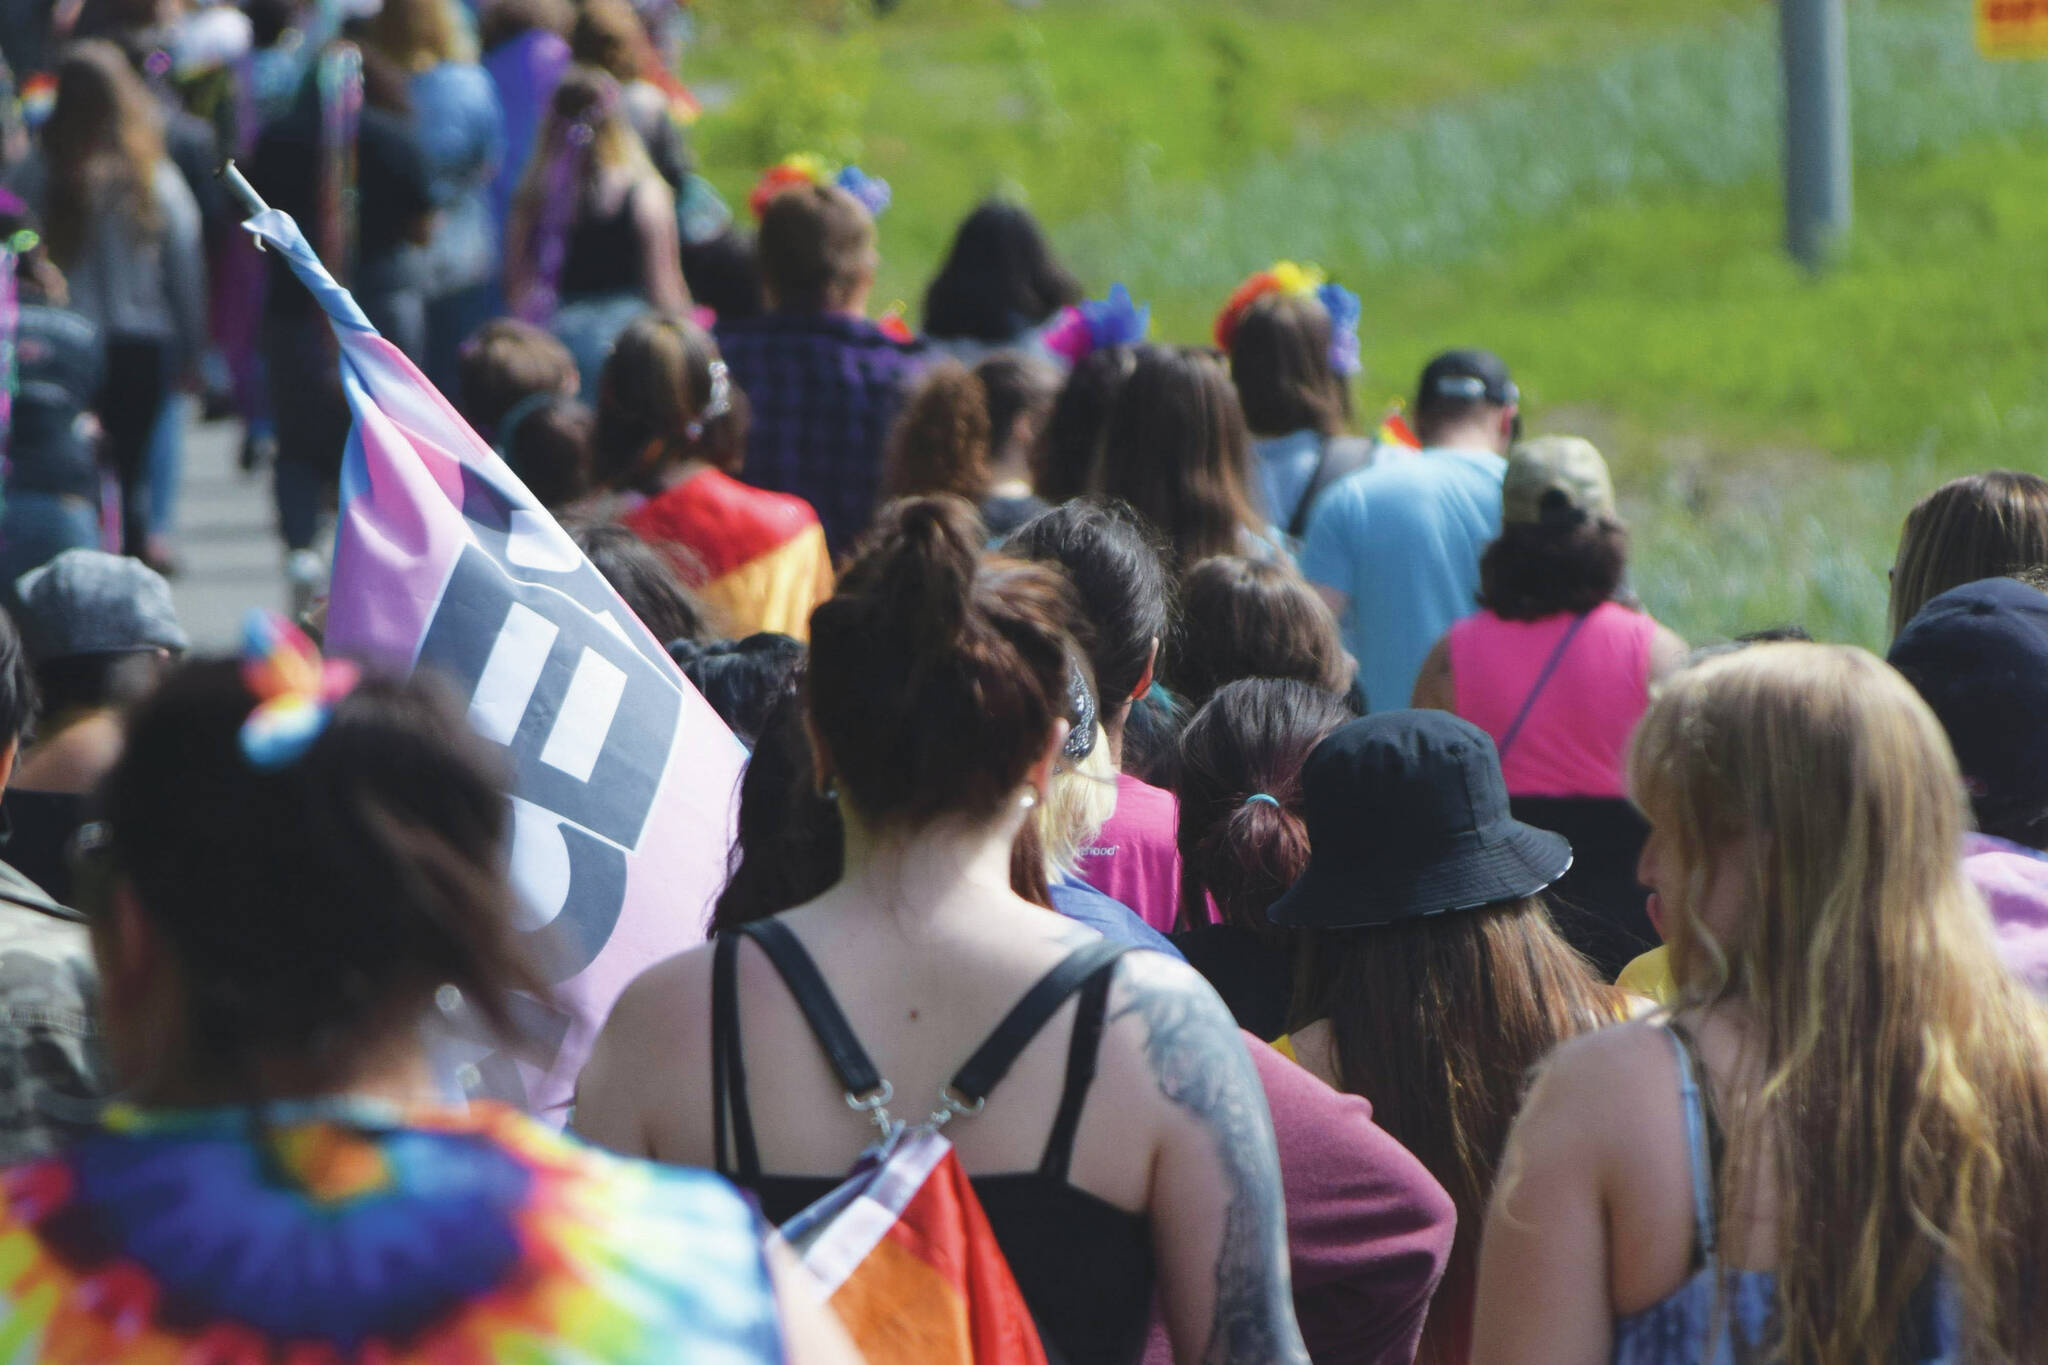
(994, 1058)
(1081, 1057)
(828, 1023)
(1697, 1148)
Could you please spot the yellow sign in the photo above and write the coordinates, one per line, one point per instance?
(2012, 28)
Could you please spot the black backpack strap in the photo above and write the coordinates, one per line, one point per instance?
(1336, 457)
(993, 1059)
(728, 1068)
(828, 1023)
(1088, 1022)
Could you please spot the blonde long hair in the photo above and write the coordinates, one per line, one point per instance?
(1904, 1097)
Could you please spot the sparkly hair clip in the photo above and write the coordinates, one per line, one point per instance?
(1299, 282)
(716, 406)
(1082, 329)
(808, 168)
(295, 690)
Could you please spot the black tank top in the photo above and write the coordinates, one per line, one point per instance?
(602, 255)
(1083, 1265)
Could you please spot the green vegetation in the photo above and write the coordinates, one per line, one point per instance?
(1588, 187)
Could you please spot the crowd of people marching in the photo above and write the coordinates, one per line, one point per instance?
(1333, 919)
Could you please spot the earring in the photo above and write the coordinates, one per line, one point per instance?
(1030, 800)
(829, 791)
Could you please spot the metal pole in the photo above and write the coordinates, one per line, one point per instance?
(1818, 193)
(238, 185)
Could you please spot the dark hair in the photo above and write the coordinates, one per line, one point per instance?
(656, 384)
(549, 449)
(1790, 633)
(504, 20)
(1014, 386)
(790, 846)
(1440, 1021)
(1241, 618)
(1177, 451)
(1280, 362)
(314, 908)
(1984, 525)
(817, 246)
(19, 702)
(936, 678)
(1532, 572)
(724, 274)
(644, 578)
(741, 678)
(93, 682)
(1119, 578)
(1070, 446)
(998, 280)
(1250, 739)
(939, 441)
(504, 362)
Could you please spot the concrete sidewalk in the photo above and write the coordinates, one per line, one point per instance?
(226, 536)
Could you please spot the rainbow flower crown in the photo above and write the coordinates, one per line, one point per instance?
(1299, 282)
(808, 168)
(1080, 329)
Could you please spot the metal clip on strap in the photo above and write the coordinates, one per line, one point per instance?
(875, 1105)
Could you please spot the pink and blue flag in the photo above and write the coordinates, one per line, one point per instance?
(624, 780)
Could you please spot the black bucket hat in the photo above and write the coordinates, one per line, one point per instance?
(1408, 816)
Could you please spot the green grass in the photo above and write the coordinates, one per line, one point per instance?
(1084, 106)
(1771, 429)
(1588, 186)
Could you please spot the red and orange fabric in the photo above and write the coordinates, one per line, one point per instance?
(911, 1267)
(756, 558)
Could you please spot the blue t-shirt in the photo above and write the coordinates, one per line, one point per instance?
(1107, 916)
(1285, 465)
(1402, 540)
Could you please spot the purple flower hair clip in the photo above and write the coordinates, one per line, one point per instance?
(1343, 307)
(1094, 324)
(871, 190)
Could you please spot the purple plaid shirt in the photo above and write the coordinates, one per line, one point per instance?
(824, 388)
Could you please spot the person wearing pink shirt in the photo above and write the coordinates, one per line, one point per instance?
(1119, 576)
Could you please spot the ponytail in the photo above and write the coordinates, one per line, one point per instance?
(936, 677)
(1241, 835)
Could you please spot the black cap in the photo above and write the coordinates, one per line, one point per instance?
(1979, 656)
(1466, 377)
(1408, 816)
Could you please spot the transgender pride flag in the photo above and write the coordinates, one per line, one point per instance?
(624, 780)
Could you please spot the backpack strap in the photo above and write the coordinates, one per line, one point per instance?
(994, 1058)
(1335, 457)
(828, 1023)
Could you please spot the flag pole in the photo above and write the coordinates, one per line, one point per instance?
(239, 186)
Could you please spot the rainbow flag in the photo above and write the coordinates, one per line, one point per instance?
(909, 1264)
(624, 780)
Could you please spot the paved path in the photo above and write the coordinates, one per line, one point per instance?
(232, 556)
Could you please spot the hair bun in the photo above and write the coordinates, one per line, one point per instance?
(920, 568)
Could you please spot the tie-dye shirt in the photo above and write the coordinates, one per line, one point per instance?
(339, 1231)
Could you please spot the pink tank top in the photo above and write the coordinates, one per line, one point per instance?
(1573, 740)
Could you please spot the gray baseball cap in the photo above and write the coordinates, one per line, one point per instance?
(91, 602)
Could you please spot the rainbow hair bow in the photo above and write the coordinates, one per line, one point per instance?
(295, 690)
(1091, 325)
(808, 168)
(1299, 282)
